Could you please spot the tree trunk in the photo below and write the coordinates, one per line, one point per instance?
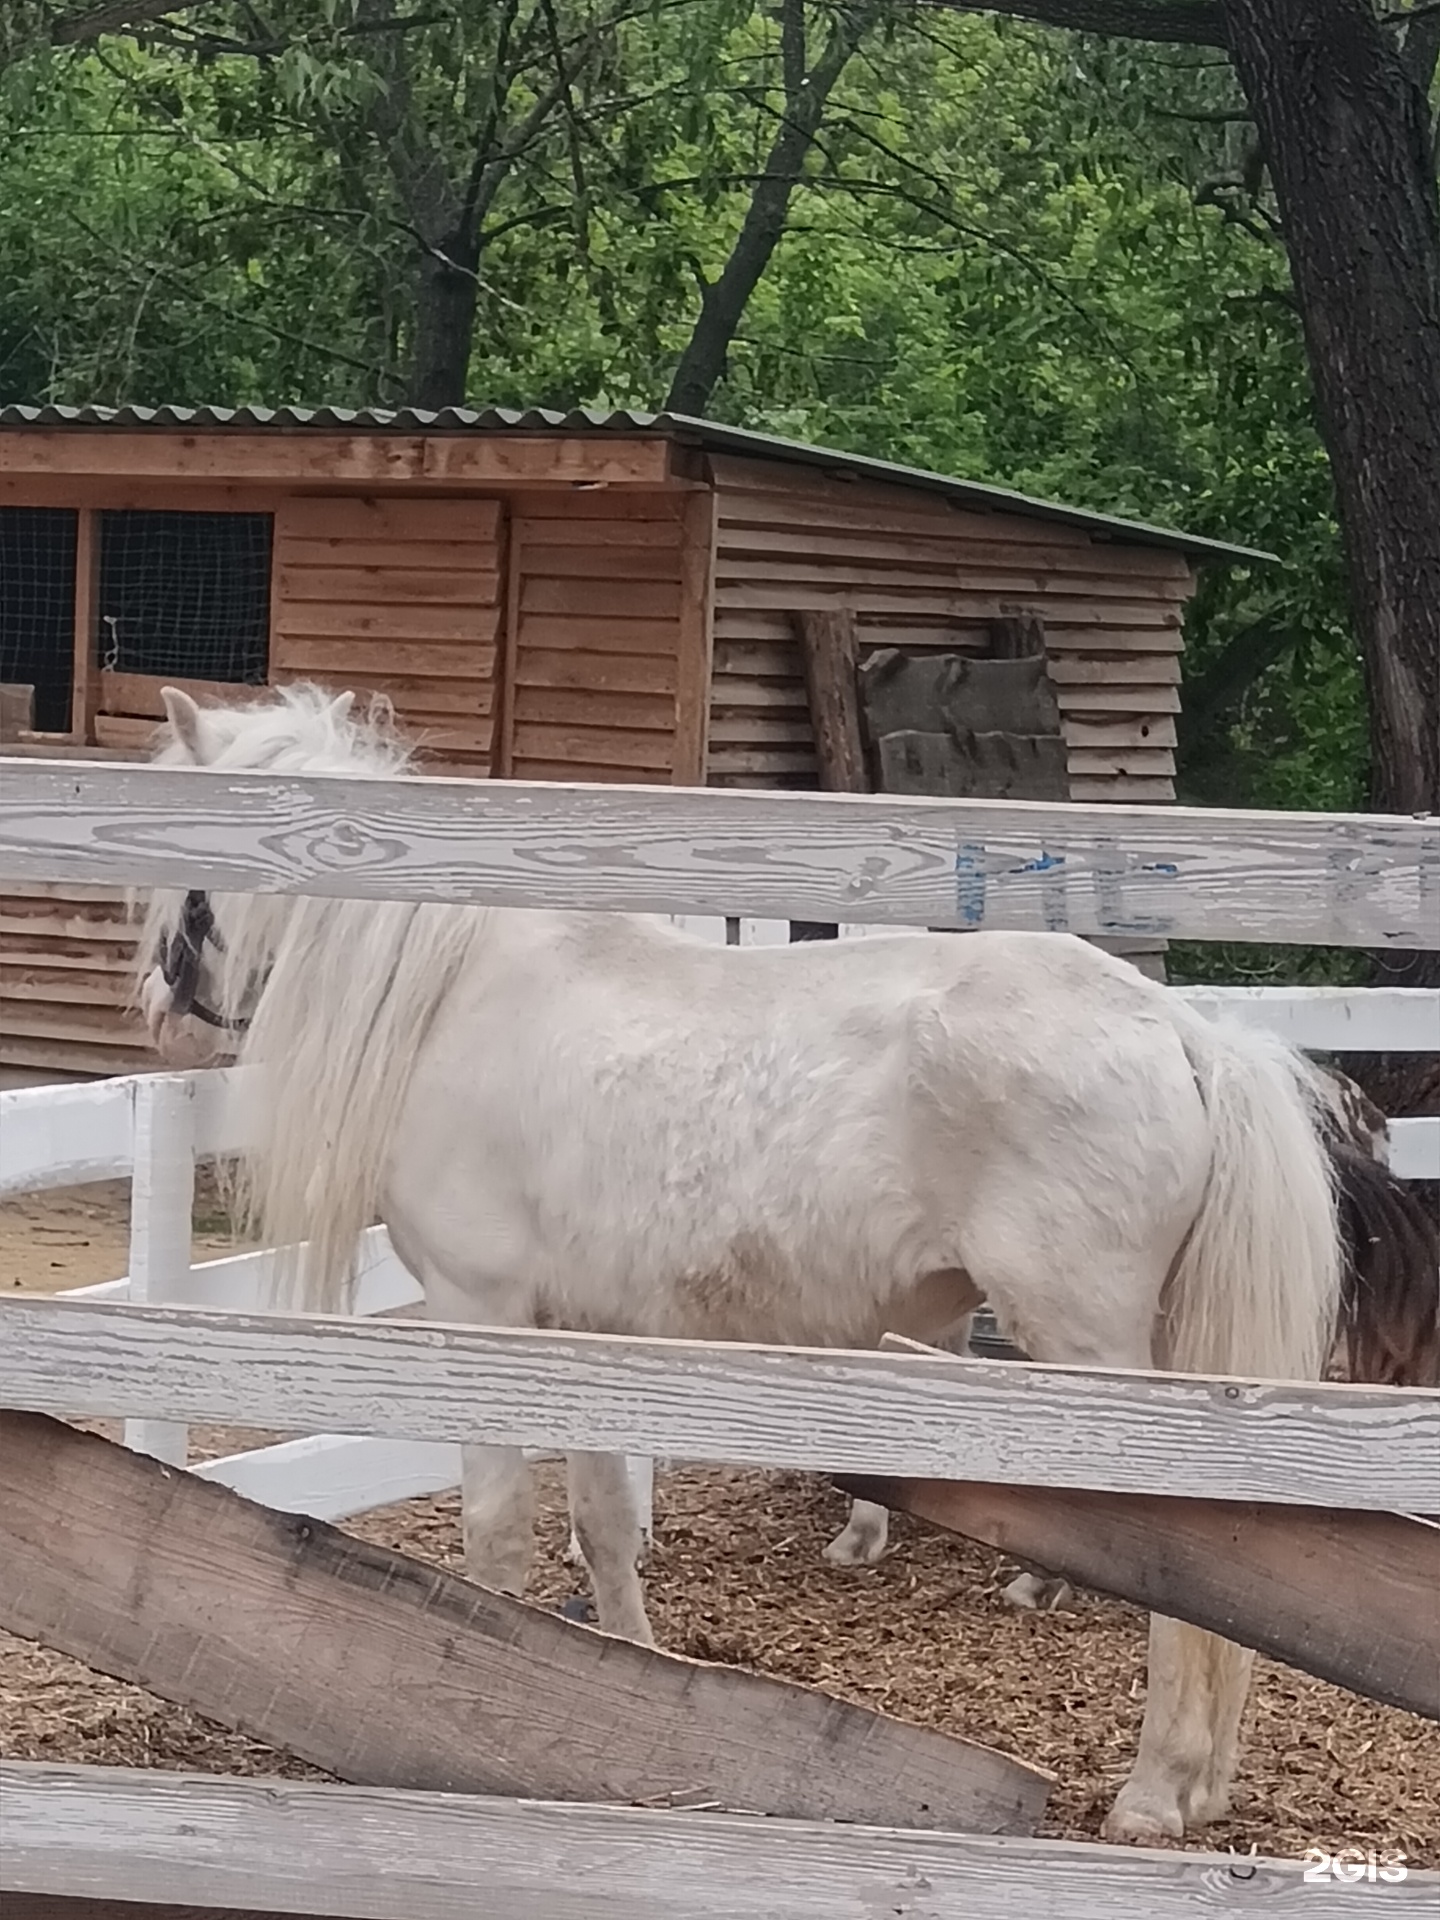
(1346, 136)
(445, 305)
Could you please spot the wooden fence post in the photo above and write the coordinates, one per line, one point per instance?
(162, 1199)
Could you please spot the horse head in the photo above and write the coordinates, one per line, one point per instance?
(202, 958)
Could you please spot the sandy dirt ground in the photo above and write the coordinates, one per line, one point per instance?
(737, 1577)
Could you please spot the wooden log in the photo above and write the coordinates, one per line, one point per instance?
(914, 1417)
(385, 1671)
(829, 649)
(313, 1849)
(1352, 1597)
(1176, 872)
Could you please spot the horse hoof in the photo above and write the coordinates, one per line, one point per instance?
(1143, 1826)
(1030, 1594)
(578, 1607)
(859, 1549)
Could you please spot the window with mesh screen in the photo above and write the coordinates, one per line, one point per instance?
(186, 594)
(37, 607)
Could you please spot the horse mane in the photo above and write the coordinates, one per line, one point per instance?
(343, 992)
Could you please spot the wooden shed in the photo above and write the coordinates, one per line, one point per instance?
(580, 596)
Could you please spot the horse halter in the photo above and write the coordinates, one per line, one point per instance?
(180, 955)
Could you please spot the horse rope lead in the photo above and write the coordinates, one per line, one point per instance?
(180, 955)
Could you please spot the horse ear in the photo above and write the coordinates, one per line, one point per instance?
(340, 707)
(184, 717)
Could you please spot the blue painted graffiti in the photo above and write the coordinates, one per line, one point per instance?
(1045, 864)
(970, 878)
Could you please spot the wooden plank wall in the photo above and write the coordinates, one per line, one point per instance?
(394, 596)
(401, 597)
(383, 595)
(918, 572)
(599, 592)
(65, 957)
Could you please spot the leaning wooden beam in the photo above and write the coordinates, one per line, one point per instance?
(1205, 873)
(70, 1906)
(296, 1848)
(388, 1672)
(1352, 1597)
(830, 649)
(911, 1416)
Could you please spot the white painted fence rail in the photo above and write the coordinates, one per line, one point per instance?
(821, 1411)
(378, 1854)
(64, 1135)
(1339, 879)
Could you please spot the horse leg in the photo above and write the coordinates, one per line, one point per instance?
(497, 1504)
(863, 1539)
(497, 1496)
(606, 1518)
(642, 1473)
(1196, 1690)
(1197, 1684)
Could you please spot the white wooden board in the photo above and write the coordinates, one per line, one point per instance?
(184, 1839)
(1415, 1149)
(878, 1413)
(1371, 880)
(1331, 1019)
(246, 1282)
(63, 1136)
(333, 1476)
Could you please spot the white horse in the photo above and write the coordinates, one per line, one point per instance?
(593, 1122)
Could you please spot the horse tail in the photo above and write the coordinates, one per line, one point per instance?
(1256, 1289)
(351, 994)
(1390, 1306)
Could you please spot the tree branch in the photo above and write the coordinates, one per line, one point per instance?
(114, 19)
(1209, 117)
(183, 284)
(724, 300)
(1193, 23)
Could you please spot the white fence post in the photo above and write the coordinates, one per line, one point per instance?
(162, 1201)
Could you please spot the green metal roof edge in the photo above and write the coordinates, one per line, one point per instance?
(709, 435)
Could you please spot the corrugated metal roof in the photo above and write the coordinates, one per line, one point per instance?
(709, 435)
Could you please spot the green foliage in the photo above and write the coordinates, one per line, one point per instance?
(1016, 255)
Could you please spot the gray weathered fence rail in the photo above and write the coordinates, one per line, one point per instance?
(1347, 880)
